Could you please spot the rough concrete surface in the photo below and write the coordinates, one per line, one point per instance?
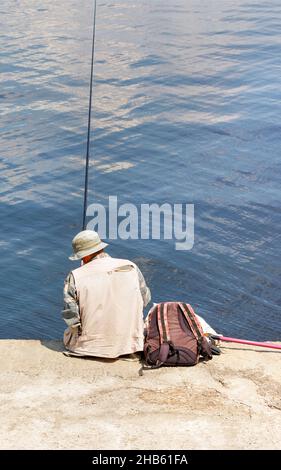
(50, 401)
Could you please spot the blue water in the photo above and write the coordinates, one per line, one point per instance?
(186, 110)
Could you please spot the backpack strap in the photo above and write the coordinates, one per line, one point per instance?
(189, 315)
(163, 325)
(195, 318)
(203, 345)
(164, 333)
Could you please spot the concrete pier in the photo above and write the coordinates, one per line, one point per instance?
(50, 401)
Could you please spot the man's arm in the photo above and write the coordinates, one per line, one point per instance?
(70, 312)
(145, 291)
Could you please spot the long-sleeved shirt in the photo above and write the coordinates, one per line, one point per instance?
(71, 314)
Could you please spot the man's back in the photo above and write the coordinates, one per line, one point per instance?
(111, 309)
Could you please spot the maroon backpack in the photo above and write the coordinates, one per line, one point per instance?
(174, 336)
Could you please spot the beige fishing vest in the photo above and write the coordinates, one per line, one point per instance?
(111, 309)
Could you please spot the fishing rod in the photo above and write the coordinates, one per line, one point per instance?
(89, 120)
(245, 341)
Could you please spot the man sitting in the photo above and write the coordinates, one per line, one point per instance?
(103, 301)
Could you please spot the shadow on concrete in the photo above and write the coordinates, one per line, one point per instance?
(53, 344)
(58, 346)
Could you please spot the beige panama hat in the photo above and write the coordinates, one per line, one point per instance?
(86, 243)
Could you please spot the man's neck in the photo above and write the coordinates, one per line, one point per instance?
(100, 254)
